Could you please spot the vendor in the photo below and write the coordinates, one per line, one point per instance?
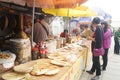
(41, 29)
(64, 34)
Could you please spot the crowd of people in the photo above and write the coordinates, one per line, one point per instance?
(102, 38)
(101, 34)
(98, 32)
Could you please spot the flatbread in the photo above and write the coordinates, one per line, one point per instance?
(52, 72)
(38, 72)
(39, 69)
(59, 62)
(12, 76)
(24, 68)
(21, 69)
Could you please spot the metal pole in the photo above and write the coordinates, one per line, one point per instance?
(68, 21)
(33, 21)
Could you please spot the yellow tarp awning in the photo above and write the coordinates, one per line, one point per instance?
(69, 12)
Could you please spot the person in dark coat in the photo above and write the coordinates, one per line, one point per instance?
(98, 39)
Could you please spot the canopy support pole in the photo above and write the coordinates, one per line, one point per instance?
(33, 16)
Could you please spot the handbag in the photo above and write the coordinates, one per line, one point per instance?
(99, 51)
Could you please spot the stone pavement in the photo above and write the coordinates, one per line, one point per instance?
(113, 68)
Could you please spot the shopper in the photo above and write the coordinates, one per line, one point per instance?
(98, 39)
(106, 43)
(116, 40)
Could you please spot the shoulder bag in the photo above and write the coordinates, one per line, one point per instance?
(45, 29)
(99, 51)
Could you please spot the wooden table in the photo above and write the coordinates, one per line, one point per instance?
(71, 72)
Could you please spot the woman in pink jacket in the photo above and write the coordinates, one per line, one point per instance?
(106, 43)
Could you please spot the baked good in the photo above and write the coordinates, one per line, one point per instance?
(24, 68)
(59, 62)
(12, 76)
(39, 70)
(52, 70)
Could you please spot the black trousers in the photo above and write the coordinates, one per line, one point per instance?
(105, 59)
(116, 47)
(96, 65)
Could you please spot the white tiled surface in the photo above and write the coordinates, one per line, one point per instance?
(113, 68)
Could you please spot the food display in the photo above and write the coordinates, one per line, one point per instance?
(57, 61)
(66, 55)
(37, 68)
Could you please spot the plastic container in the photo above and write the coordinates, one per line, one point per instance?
(6, 64)
(42, 53)
(35, 53)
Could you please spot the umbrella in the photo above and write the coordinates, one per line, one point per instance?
(47, 3)
(70, 12)
(55, 3)
(81, 11)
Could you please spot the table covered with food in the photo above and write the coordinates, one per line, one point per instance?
(65, 63)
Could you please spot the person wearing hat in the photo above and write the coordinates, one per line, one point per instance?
(98, 39)
(41, 29)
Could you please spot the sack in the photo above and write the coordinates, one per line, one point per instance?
(98, 52)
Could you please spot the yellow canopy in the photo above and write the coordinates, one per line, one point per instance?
(81, 11)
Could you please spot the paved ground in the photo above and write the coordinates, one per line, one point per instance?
(113, 68)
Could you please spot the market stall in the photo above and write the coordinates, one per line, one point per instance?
(66, 63)
(15, 45)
